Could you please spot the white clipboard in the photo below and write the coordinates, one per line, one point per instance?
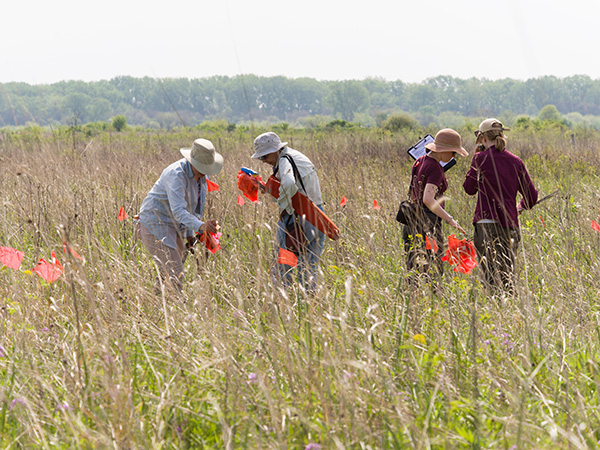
(418, 150)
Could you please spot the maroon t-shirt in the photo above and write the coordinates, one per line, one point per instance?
(427, 170)
(497, 177)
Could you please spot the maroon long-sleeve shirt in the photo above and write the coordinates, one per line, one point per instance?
(498, 177)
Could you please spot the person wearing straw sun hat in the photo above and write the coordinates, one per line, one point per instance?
(427, 186)
(296, 173)
(497, 176)
(173, 209)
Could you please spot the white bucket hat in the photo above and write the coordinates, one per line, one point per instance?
(203, 157)
(267, 143)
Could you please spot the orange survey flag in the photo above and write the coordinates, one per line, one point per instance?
(212, 186)
(49, 271)
(595, 225)
(248, 185)
(376, 205)
(122, 215)
(431, 244)
(344, 201)
(305, 207)
(211, 241)
(11, 258)
(73, 252)
(461, 254)
(286, 257)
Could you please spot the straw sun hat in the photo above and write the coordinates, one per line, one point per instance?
(203, 157)
(447, 140)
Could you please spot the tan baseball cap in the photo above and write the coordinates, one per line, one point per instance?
(491, 124)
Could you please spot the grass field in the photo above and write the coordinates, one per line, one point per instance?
(97, 360)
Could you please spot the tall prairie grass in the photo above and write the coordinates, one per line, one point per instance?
(98, 360)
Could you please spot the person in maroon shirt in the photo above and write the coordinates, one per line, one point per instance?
(497, 176)
(427, 186)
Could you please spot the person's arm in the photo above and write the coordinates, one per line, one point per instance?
(435, 207)
(288, 186)
(527, 190)
(175, 188)
(470, 184)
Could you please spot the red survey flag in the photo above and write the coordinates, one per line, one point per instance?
(376, 205)
(73, 252)
(543, 223)
(11, 258)
(431, 244)
(595, 225)
(286, 257)
(49, 271)
(344, 201)
(210, 240)
(249, 185)
(212, 186)
(461, 254)
(241, 200)
(122, 215)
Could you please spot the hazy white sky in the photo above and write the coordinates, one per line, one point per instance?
(45, 41)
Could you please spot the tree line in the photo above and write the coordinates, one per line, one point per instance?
(170, 102)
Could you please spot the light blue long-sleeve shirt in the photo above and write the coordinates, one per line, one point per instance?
(175, 204)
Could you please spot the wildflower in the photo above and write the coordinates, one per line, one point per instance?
(64, 406)
(420, 339)
(252, 378)
(16, 402)
(312, 446)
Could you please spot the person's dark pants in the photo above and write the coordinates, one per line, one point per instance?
(497, 251)
(418, 258)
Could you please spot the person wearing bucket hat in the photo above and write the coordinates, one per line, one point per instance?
(497, 176)
(296, 172)
(173, 209)
(427, 186)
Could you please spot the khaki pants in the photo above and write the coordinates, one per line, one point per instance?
(169, 260)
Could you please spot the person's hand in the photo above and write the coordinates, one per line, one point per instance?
(211, 226)
(454, 223)
(191, 241)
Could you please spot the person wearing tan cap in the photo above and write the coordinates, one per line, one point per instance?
(172, 211)
(427, 186)
(497, 176)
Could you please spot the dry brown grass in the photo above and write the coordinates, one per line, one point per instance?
(97, 360)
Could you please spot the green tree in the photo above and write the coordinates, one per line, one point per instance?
(119, 122)
(397, 122)
(549, 113)
(347, 98)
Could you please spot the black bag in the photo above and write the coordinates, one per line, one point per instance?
(295, 238)
(407, 213)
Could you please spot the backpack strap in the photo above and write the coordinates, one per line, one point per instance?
(296, 172)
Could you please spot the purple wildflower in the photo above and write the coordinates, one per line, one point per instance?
(64, 406)
(16, 401)
(252, 377)
(312, 446)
